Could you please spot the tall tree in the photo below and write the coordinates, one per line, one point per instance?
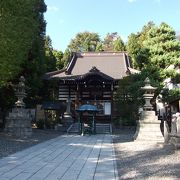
(50, 59)
(59, 59)
(84, 42)
(113, 42)
(35, 66)
(66, 57)
(163, 48)
(136, 49)
(118, 45)
(108, 42)
(17, 29)
(22, 42)
(153, 50)
(145, 31)
(133, 47)
(99, 47)
(129, 97)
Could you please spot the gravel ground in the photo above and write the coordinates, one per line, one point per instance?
(145, 160)
(10, 144)
(135, 160)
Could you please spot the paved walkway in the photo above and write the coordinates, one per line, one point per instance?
(67, 157)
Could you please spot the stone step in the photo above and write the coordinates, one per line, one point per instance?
(74, 128)
(100, 128)
(149, 130)
(103, 128)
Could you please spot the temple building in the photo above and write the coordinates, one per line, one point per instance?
(92, 78)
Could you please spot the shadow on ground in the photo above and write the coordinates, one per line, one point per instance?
(10, 144)
(143, 160)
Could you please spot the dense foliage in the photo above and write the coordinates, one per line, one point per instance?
(155, 48)
(84, 42)
(136, 49)
(22, 52)
(113, 42)
(129, 98)
(59, 59)
(90, 42)
(19, 30)
(156, 52)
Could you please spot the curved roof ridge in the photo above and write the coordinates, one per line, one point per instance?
(101, 53)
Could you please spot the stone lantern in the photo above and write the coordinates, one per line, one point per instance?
(148, 95)
(68, 119)
(20, 93)
(148, 126)
(18, 121)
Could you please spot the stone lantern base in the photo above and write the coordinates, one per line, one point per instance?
(18, 123)
(67, 119)
(148, 128)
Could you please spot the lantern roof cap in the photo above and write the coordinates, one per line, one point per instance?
(147, 85)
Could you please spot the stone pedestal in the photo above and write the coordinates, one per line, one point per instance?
(175, 132)
(148, 128)
(67, 119)
(18, 123)
(166, 132)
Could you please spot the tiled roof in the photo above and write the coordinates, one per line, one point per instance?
(113, 64)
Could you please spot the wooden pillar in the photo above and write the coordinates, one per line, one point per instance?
(112, 102)
(94, 123)
(80, 123)
(77, 97)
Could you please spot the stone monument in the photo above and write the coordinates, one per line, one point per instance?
(174, 135)
(18, 122)
(67, 119)
(148, 126)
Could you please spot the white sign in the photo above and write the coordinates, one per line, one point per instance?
(107, 108)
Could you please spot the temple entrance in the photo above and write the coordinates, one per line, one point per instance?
(97, 92)
(87, 126)
(94, 88)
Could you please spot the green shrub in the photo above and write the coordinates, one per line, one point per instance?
(40, 123)
(49, 123)
(117, 122)
(128, 122)
(124, 122)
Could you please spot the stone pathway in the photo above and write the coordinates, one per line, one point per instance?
(67, 157)
(10, 144)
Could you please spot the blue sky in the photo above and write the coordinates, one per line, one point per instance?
(65, 18)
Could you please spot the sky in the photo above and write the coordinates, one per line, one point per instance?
(66, 18)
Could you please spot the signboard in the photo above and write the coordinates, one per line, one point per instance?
(107, 108)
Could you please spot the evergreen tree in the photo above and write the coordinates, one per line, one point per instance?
(35, 66)
(99, 47)
(108, 42)
(164, 50)
(136, 49)
(133, 47)
(16, 36)
(84, 42)
(22, 43)
(119, 45)
(50, 59)
(66, 57)
(129, 97)
(59, 59)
